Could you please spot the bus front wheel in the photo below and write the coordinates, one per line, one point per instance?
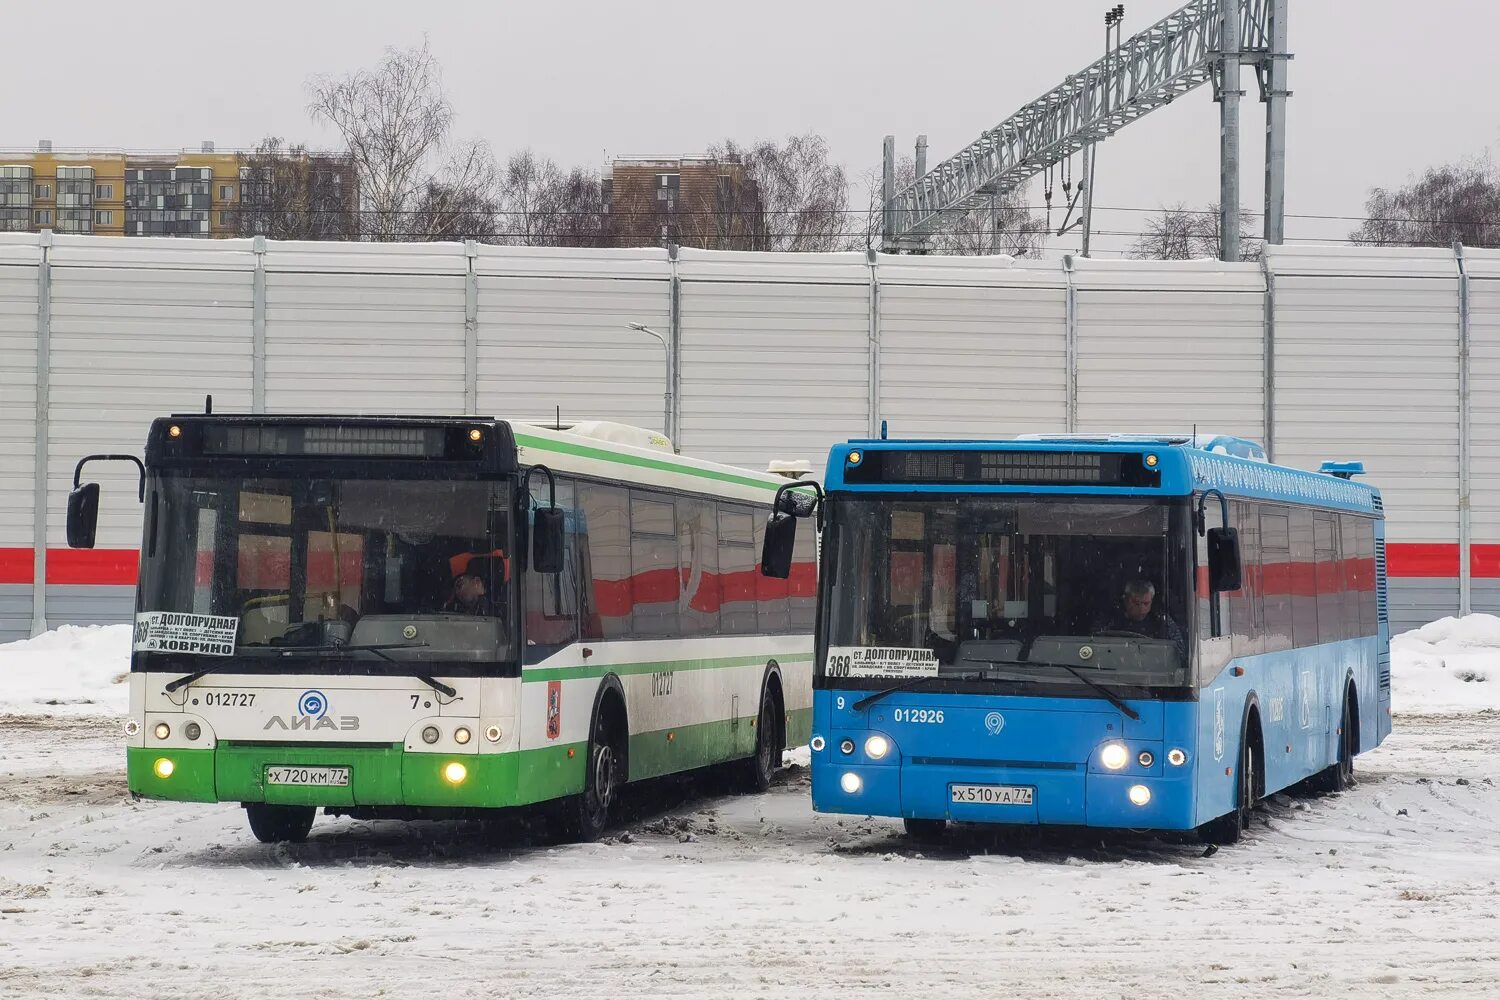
(586, 816)
(1227, 828)
(925, 831)
(757, 770)
(279, 824)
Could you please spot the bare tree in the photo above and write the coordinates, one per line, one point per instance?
(287, 193)
(1182, 233)
(1006, 226)
(790, 197)
(1459, 201)
(396, 122)
(540, 205)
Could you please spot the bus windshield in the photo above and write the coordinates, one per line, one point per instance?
(1022, 589)
(390, 569)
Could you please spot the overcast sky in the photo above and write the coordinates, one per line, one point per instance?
(1381, 88)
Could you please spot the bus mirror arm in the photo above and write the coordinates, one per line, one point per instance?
(547, 526)
(1223, 549)
(83, 501)
(781, 529)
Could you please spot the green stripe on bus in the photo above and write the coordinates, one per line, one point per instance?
(585, 451)
(535, 675)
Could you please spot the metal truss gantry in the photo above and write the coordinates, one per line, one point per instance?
(1205, 41)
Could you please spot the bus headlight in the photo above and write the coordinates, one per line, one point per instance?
(1176, 757)
(850, 783)
(455, 773)
(1114, 756)
(162, 730)
(1140, 794)
(492, 734)
(132, 728)
(164, 767)
(877, 747)
(817, 744)
(430, 734)
(846, 745)
(192, 730)
(461, 735)
(1146, 758)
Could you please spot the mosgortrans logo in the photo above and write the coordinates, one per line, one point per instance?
(313, 703)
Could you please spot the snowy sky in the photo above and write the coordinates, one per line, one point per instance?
(1378, 92)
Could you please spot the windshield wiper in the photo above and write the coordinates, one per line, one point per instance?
(910, 683)
(1109, 695)
(377, 649)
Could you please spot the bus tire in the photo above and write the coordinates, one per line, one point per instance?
(279, 824)
(1339, 776)
(586, 816)
(757, 770)
(1248, 782)
(925, 831)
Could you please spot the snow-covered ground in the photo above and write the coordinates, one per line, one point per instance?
(1390, 890)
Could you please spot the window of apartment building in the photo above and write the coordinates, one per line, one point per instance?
(104, 192)
(75, 220)
(44, 190)
(668, 186)
(44, 217)
(226, 218)
(105, 218)
(226, 192)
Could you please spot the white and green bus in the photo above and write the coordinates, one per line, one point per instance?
(427, 617)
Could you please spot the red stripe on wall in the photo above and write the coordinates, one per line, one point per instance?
(115, 567)
(1425, 559)
(118, 567)
(16, 566)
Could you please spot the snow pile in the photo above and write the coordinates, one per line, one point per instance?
(1448, 667)
(71, 670)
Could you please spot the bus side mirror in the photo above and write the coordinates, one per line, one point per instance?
(547, 540)
(83, 516)
(1223, 559)
(776, 552)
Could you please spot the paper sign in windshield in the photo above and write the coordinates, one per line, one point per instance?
(881, 661)
(169, 632)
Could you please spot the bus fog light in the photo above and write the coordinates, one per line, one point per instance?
(846, 746)
(455, 773)
(1176, 757)
(817, 743)
(192, 730)
(1114, 756)
(877, 747)
(1140, 794)
(162, 730)
(430, 734)
(1146, 758)
(164, 767)
(462, 736)
(492, 734)
(132, 728)
(851, 783)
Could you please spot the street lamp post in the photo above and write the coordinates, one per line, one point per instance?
(667, 396)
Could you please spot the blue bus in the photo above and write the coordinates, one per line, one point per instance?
(1113, 631)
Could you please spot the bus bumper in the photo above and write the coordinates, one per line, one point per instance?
(1058, 797)
(378, 776)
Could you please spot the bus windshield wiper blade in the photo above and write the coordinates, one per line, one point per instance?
(189, 678)
(910, 683)
(379, 650)
(1109, 695)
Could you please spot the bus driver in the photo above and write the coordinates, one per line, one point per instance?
(1136, 615)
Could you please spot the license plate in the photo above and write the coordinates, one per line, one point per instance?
(992, 795)
(337, 777)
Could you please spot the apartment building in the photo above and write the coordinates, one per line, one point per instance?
(698, 201)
